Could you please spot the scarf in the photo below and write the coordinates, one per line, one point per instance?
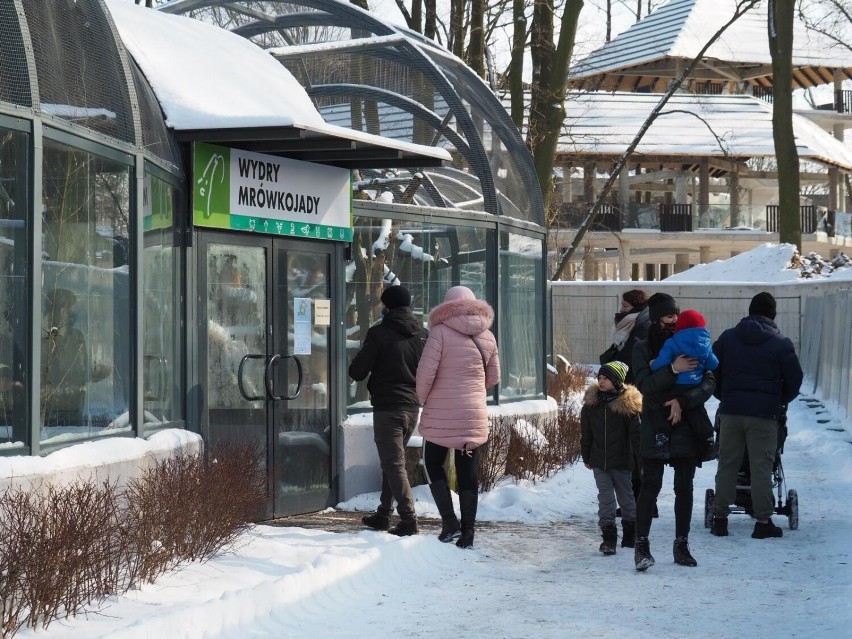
(624, 323)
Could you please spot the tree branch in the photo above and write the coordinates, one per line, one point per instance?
(742, 7)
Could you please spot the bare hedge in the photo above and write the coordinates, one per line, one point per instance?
(68, 549)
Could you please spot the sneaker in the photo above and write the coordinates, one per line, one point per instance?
(405, 528)
(766, 531)
(719, 527)
(642, 554)
(682, 556)
(376, 521)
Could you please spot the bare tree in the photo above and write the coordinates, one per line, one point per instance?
(742, 7)
(830, 18)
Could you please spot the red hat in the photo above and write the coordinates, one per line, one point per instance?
(690, 319)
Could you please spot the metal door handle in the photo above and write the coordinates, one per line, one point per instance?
(240, 377)
(270, 390)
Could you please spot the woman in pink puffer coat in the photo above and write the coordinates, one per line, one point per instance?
(458, 364)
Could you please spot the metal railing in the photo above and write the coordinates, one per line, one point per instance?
(843, 101)
(807, 215)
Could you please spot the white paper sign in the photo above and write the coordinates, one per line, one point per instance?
(322, 312)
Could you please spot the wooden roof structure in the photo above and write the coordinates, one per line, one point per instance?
(727, 129)
(654, 50)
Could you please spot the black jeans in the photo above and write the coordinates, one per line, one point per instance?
(435, 455)
(652, 482)
(391, 431)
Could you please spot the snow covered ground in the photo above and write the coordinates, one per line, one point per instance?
(535, 572)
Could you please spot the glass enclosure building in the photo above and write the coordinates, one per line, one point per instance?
(134, 299)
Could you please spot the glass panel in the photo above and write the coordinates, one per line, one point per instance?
(162, 361)
(236, 327)
(521, 316)
(427, 257)
(14, 316)
(85, 326)
(302, 425)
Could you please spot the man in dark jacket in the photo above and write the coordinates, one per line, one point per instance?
(389, 355)
(758, 375)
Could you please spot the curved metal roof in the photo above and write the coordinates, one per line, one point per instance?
(381, 79)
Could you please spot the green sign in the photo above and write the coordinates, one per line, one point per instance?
(247, 191)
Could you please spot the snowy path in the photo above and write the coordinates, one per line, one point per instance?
(536, 572)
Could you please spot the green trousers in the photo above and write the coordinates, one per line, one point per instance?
(760, 436)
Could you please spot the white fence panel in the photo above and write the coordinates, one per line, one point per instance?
(814, 315)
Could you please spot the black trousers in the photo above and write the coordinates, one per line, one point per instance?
(434, 455)
(652, 482)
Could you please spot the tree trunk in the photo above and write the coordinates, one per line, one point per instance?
(456, 44)
(780, 24)
(476, 46)
(430, 29)
(516, 65)
(608, 20)
(550, 70)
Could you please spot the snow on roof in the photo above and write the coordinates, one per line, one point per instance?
(680, 28)
(208, 78)
(603, 123)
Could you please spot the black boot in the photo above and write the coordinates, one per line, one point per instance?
(450, 528)
(766, 531)
(628, 534)
(468, 500)
(719, 527)
(681, 553)
(405, 527)
(642, 556)
(610, 539)
(376, 521)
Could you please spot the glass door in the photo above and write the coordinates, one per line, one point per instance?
(302, 427)
(265, 360)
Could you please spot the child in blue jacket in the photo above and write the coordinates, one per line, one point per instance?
(691, 338)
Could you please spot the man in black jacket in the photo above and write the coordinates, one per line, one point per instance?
(758, 374)
(389, 355)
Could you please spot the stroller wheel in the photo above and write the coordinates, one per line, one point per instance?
(709, 502)
(793, 509)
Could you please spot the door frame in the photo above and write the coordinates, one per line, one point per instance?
(197, 410)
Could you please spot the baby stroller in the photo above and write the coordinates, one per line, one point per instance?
(742, 500)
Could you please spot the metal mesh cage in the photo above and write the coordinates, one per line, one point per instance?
(155, 137)
(397, 84)
(80, 77)
(14, 76)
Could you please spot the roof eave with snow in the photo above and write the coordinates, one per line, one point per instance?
(215, 85)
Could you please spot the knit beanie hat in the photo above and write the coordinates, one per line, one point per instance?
(660, 305)
(396, 296)
(762, 304)
(616, 372)
(690, 319)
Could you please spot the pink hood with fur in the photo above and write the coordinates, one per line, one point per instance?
(453, 373)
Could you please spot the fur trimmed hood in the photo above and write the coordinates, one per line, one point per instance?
(470, 317)
(629, 402)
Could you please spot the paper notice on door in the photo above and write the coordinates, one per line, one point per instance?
(301, 325)
(322, 312)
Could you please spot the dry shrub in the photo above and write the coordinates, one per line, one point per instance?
(534, 448)
(76, 544)
(568, 380)
(189, 507)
